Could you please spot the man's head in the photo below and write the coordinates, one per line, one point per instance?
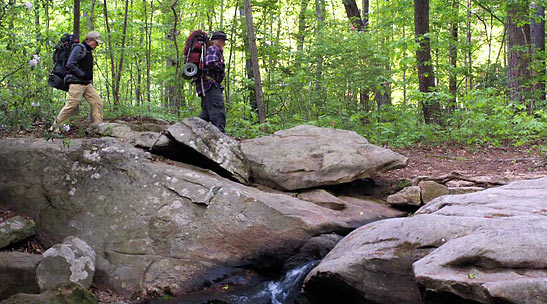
(93, 39)
(219, 38)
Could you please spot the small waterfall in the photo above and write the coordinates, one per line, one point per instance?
(287, 289)
(284, 291)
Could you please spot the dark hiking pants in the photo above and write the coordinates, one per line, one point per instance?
(212, 108)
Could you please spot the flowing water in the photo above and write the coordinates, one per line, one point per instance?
(283, 291)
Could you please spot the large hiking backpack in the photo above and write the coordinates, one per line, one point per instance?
(60, 58)
(194, 54)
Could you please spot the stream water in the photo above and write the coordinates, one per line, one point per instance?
(283, 291)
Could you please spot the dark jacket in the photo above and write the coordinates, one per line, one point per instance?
(80, 65)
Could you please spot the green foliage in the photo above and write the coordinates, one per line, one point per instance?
(332, 82)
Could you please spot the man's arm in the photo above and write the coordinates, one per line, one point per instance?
(72, 63)
(214, 60)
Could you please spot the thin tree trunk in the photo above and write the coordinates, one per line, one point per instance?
(120, 63)
(76, 24)
(537, 33)
(364, 94)
(301, 35)
(469, 78)
(228, 74)
(320, 12)
(148, 32)
(426, 77)
(91, 17)
(110, 51)
(453, 54)
(254, 58)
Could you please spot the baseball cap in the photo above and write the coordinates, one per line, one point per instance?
(94, 36)
(219, 35)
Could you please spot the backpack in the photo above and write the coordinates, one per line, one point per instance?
(60, 58)
(194, 54)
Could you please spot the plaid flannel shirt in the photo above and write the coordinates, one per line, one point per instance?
(214, 68)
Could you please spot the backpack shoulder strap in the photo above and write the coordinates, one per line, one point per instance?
(83, 50)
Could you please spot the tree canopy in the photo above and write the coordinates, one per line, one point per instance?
(465, 71)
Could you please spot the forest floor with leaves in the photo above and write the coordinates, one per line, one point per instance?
(509, 162)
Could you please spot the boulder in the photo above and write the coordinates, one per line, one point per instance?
(16, 229)
(68, 293)
(18, 273)
(456, 248)
(431, 190)
(125, 132)
(72, 261)
(204, 139)
(156, 227)
(308, 156)
(409, 196)
(322, 198)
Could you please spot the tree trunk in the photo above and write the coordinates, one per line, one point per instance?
(426, 78)
(469, 78)
(91, 17)
(228, 74)
(354, 16)
(254, 59)
(453, 54)
(518, 37)
(120, 63)
(76, 24)
(537, 33)
(301, 35)
(148, 33)
(320, 12)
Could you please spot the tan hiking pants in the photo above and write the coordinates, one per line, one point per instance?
(75, 94)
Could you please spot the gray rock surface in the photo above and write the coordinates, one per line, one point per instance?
(308, 156)
(68, 293)
(207, 140)
(142, 138)
(157, 227)
(72, 261)
(322, 198)
(16, 229)
(18, 273)
(409, 196)
(487, 247)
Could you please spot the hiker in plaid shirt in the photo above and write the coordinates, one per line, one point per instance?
(209, 87)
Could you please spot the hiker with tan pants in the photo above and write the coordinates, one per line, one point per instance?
(80, 81)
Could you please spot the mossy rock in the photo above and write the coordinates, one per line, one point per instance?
(68, 293)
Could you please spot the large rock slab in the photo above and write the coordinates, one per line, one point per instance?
(205, 139)
(157, 227)
(16, 229)
(18, 273)
(72, 261)
(458, 247)
(308, 156)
